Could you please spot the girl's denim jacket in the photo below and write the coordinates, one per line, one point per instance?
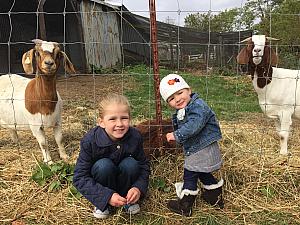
(198, 128)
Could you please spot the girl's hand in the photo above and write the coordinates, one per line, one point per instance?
(117, 200)
(170, 137)
(133, 195)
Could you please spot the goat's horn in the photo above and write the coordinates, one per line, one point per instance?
(272, 39)
(37, 41)
(245, 40)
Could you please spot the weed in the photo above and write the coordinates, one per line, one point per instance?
(56, 176)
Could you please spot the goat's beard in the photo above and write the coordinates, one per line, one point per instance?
(47, 70)
(257, 60)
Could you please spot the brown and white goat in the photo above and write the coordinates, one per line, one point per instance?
(34, 103)
(277, 88)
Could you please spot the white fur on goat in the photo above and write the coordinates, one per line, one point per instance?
(34, 103)
(277, 88)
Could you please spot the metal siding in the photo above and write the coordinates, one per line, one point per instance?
(101, 35)
(135, 42)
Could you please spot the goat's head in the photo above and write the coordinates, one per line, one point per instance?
(257, 51)
(47, 58)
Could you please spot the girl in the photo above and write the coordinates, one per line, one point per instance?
(197, 129)
(112, 169)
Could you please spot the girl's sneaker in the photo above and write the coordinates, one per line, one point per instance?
(132, 208)
(101, 215)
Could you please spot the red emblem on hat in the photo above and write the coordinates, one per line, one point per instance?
(173, 81)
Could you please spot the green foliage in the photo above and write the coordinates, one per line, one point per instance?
(160, 184)
(41, 174)
(73, 192)
(143, 96)
(56, 176)
(289, 60)
(101, 70)
(222, 22)
(268, 191)
(199, 21)
(273, 217)
(223, 71)
(233, 19)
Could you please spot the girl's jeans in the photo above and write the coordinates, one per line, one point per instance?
(116, 177)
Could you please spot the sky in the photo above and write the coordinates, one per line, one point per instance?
(174, 11)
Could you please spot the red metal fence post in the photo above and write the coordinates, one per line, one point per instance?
(156, 72)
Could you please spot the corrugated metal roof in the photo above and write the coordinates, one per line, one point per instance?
(110, 4)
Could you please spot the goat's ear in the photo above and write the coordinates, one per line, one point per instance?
(67, 64)
(27, 61)
(274, 58)
(243, 56)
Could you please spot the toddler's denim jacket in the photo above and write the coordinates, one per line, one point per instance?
(199, 127)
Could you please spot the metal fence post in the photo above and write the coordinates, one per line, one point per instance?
(156, 73)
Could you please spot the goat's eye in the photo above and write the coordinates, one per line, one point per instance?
(57, 55)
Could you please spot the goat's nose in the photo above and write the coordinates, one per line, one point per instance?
(49, 62)
(257, 50)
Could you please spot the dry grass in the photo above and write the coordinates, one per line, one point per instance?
(252, 169)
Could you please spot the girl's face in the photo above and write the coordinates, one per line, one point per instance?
(115, 121)
(180, 99)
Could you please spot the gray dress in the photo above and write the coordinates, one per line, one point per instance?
(206, 160)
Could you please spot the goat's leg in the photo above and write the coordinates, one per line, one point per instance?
(14, 135)
(277, 125)
(285, 123)
(58, 138)
(39, 133)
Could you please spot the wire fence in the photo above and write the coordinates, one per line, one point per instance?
(110, 48)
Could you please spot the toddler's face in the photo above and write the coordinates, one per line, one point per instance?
(180, 99)
(115, 121)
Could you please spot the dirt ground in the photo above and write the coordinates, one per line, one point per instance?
(251, 163)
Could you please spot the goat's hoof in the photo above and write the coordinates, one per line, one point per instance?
(284, 153)
(49, 163)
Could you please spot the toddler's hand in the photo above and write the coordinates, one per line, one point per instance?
(170, 137)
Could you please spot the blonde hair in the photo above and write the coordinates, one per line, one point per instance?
(112, 98)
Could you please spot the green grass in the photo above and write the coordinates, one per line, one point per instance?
(228, 96)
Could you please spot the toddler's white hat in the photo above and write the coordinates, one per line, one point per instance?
(171, 84)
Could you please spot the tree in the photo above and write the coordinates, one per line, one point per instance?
(261, 11)
(284, 22)
(199, 21)
(229, 20)
(255, 14)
